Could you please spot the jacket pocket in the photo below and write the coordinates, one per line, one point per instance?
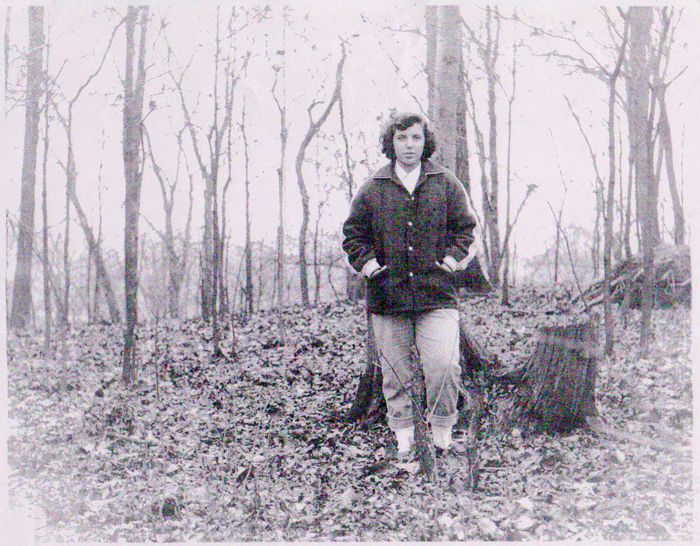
(379, 275)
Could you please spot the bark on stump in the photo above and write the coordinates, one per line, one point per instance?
(555, 388)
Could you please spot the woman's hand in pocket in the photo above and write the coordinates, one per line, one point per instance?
(448, 264)
(372, 269)
(377, 272)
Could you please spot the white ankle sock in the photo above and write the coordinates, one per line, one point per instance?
(404, 439)
(442, 436)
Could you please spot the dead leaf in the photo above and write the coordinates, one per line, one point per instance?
(487, 527)
(525, 522)
(526, 503)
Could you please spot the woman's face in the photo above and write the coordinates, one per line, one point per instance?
(408, 146)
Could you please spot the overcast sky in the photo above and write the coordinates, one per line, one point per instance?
(546, 140)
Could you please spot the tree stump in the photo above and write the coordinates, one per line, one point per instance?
(369, 406)
(555, 388)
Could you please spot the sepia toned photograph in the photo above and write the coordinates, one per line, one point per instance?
(348, 271)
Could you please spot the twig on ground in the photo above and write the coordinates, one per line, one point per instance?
(597, 425)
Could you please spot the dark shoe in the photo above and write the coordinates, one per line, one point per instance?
(456, 449)
(454, 457)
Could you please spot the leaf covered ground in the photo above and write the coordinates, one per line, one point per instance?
(255, 448)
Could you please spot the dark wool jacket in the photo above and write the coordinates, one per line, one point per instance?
(408, 234)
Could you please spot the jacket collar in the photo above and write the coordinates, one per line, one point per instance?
(427, 167)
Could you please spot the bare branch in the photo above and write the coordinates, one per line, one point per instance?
(156, 169)
(102, 62)
(400, 29)
(405, 83)
(509, 229)
(588, 142)
(568, 250)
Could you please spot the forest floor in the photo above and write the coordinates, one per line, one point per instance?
(255, 448)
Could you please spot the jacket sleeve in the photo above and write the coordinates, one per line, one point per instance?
(357, 231)
(460, 221)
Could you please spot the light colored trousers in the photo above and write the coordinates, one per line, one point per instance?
(436, 337)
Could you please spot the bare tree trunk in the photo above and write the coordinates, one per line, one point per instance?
(628, 210)
(638, 104)
(284, 133)
(608, 240)
(207, 252)
(317, 256)
(224, 243)
(317, 241)
(180, 279)
(214, 170)
(303, 232)
(484, 179)
(212, 254)
(556, 248)
(93, 246)
(488, 52)
(621, 201)
(133, 174)
(216, 271)
(44, 207)
(447, 88)
(491, 55)
(352, 282)
(664, 128)
(88, 289)
(329, 275)
(595, 246)
(462, 158)
(314, 127)
(72, 197)
(261, 251)
(96, 298)
(667, 145)
(176, 267)
(95, 252)
(431, 30)
(447, 107)
(654, 65)
(66, 264)
(22, 287)
(248, 243)
(60, 312)
(506, 253)
(279, 260)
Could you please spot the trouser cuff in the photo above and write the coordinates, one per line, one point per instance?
(398, 423)
(442, 421)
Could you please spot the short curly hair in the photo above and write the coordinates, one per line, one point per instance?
(401, 122)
